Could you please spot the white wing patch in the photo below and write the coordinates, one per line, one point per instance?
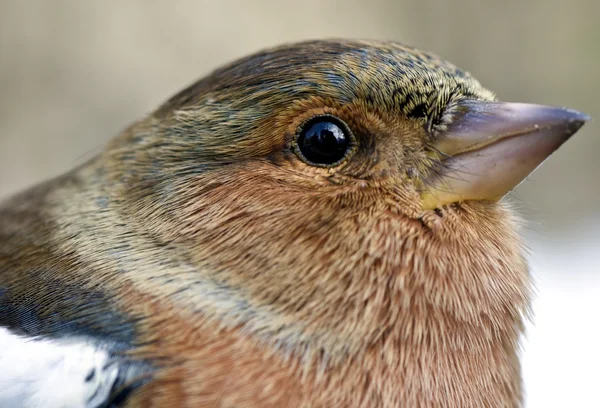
(53, 373)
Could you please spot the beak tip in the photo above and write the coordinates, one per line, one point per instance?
(563, 122)
(574, 120)
(577, 116)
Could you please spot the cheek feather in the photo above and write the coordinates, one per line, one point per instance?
(338, 266)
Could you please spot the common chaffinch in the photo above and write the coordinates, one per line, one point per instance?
(316, 225)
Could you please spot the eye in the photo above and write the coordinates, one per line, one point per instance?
(324, 141)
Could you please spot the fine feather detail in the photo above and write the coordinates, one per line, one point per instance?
(53, 373)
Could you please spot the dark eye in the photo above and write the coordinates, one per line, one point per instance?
(324, 141)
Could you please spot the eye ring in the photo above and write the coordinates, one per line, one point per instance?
(324, 141)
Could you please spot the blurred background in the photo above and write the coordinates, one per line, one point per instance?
(73, 74)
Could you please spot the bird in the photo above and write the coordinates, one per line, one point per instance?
(318, 224)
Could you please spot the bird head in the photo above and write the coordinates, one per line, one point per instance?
(336, 193)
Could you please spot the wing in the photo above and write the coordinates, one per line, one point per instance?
(62, 343)
(54, 373)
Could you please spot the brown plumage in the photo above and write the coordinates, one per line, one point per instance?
(230, 271)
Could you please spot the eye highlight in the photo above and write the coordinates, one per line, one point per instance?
(324, 141)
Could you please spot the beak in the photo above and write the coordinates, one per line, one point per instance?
(490, 147)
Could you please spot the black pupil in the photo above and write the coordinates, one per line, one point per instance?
(323, 142)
